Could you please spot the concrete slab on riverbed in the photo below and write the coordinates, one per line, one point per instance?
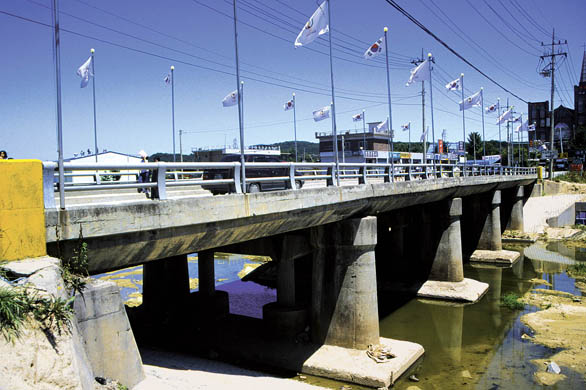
(502, 257)
(468, 290)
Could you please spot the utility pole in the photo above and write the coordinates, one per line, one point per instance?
(416, 62)
(549, 70)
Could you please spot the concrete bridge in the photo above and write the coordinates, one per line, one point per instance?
(332, 246)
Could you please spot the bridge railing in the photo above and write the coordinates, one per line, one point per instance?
(227, 176)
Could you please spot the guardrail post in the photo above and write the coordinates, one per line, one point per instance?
(387, 178)
(362, 173)
(48, 186)
(97, 178)
(161, 174)
(237, 183)
(292, 176)
(331, 173)
(408, 176)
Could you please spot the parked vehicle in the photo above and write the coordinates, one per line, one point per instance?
(281, 173)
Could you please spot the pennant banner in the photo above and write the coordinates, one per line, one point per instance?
(321, 114)
(471, 101)
(375, 49)
(419, 73)
(491, 108)
(406, 126)
(167, 79)
(85, 72)
(231, 99)
(423, 135)
(505, 116)
(453, 85)
(357, 117)
(316, 25)
(383, 126)
(289, 105)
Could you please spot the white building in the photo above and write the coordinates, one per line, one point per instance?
(78, 177)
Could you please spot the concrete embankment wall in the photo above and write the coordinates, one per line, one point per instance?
(558, 208)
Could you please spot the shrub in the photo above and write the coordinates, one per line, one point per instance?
(511, 300)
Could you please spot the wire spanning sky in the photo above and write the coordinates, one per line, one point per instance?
(137, 41)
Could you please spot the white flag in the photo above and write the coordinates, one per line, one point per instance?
(491, 108)
(321, 114)
(523, 127)
(406, 126)
(453, 85)
(517, 119)
(289, 105)
(375, 49)
(423, 135)
(85, 72)
(316, 25)
(531, 127)
(167, 79)
(419, 73)
(471, 101)
(357, 117)
(231, 99)
(383, 126)
(504, 117)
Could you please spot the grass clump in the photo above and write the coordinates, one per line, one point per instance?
(75, 269)
(17, 305)
(578, 269)
(571, 177)
(511, 300)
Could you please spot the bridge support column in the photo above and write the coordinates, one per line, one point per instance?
(490, 246)
(446, 276)
(351, 300)
(211, 304)
(165, 286)
(516, 222)
(284, 317)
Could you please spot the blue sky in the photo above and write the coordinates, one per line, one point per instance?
(196, 36)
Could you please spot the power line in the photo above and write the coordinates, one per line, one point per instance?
(420, 25)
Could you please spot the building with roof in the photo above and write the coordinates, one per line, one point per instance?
(106, 157)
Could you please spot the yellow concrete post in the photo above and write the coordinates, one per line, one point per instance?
(540, 173)
(22, 213)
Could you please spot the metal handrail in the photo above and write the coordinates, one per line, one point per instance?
(170, 174)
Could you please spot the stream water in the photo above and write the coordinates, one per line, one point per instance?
(477, 346)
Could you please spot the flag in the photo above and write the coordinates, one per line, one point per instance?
(491, 108)
(419, 73)
(357, 117)
(289, 105)
(321, 114)
(453, 85)
(523, 126)
(167, 79)
(230, 99)
(316, 25)
(504, 117)
(383, 126)
(375, 49)
(406, 126)
(423, 135)
(517, 119)
(85, 72)
(471, 101)
(531, 127)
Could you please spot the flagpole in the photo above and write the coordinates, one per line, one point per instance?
(498, 105)
(508, 139)
(334, 131)
(240, 108)
(430, 58)
(512, 135)
(173, 108)
(392, 136)
(363, 136)
(463, 115)
(483, 136)
(410, 140)
(57, 53)
(94, 101)
(519, 141)
(295, 125)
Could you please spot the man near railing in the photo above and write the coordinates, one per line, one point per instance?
(154, 175)
(143, 176)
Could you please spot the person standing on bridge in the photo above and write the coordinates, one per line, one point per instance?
(143, 176)
(3, 155)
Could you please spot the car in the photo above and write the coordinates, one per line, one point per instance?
(251, 174)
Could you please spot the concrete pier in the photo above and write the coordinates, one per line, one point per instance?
(210, 303)
(165, 287)
(516, 222)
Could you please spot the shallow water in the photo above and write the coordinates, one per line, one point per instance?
(475, 346)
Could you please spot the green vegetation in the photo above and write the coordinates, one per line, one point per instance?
(75, 269)
(572, 177)
(18, 304)
(578, 269)
(511, 300)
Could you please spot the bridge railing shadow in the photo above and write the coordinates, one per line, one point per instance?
(227, 177)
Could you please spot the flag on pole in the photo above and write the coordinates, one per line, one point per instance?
(375, 49)
(321, 114)
(167, 79)
(531, 127)
(523, 126)
(357, 117)
(423, 135)
(316, 25)
(453, 85)
(419, 73)
(471, 101)
(517, 119)
(85, 72)
(491, 108)
(289, 105)
(383, 126)
(231, 99)
(504, 116)
(406, 126)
